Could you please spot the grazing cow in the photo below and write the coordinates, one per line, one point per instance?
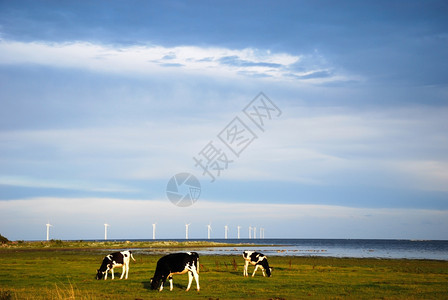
(176, 263)
(113, 260)
(258, 260)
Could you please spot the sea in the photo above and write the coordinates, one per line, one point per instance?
(355, 248)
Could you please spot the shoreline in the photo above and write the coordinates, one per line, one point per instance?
(154, 248)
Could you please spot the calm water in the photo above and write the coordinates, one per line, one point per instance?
(335, 248)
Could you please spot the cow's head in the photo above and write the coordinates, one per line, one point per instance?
(156, 282)
(102, 270)
(99, 274)
(265, 265)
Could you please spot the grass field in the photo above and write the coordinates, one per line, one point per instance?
(69, 274)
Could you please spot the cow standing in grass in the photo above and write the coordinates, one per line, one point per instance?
(258, 260)
(176, 263)
(113, 260)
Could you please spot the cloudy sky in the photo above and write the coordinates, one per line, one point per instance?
(101, 103)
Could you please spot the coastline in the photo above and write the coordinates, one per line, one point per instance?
(322, 248)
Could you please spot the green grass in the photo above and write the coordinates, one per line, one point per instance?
(69, 274)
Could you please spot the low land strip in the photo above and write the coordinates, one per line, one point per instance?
(65, 273)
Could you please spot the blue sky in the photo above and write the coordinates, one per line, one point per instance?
(102, 103)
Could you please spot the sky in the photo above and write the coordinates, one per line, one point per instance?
(310, 119)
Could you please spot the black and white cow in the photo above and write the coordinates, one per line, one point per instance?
(113, 260)
(258, 260)
(176, 263)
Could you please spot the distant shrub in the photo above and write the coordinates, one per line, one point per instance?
(234, 264)
(56, 242)
(3, 240)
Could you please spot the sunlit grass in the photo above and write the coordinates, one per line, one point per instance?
(69, 274)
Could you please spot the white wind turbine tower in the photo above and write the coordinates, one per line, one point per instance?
(209, 229)
(226, 230)
(250, 232)
(239, 227)
(105, 230)
(261, 232)
(48, 230)
(186, 231)
(255, 232)
(154, 231)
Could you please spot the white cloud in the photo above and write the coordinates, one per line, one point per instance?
(149, 150)
(165, 61)
(311, 146)
(392, 148)
(425, 174)
(83, 218)
(33, 182)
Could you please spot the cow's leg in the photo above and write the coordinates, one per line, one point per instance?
(171, 282)
(190, 280)
(127, 270)
(262, 270)
(196, 278)
(256, 267)
(161, 286)
(124, 272)
(246, 265)
(123, 269)
(112, 272)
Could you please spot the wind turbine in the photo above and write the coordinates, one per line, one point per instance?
(255, 232)
(154, 231)
(105, 230)
(186, 231)
(250, 232)
(209, 229)
(48, 230)
(261, 232)
(239, 227)
(226, 229)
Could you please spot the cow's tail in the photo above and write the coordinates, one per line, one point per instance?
(131, 255)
